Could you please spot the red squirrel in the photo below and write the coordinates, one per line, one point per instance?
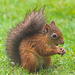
(32, 43)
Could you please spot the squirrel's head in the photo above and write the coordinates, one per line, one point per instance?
(53, 34)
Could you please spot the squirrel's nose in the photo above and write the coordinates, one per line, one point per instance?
(62, 42)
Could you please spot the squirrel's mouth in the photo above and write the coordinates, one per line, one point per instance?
(56, 44)
(59, 43)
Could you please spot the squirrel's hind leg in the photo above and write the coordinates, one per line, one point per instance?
(29, 61)
(47, 62)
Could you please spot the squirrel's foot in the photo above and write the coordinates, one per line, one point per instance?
(61, 51)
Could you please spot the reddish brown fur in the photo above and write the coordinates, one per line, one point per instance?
(35, 52)
(31, 43)
(32, 52)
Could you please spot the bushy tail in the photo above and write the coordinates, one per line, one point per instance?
(33, 23)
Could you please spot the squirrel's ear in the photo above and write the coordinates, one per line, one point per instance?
(52, 23)
(47, 27)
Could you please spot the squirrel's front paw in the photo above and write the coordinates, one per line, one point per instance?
(61, 51)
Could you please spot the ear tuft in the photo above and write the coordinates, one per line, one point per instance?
(53, 22)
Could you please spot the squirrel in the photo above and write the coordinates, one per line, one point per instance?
(32, 42)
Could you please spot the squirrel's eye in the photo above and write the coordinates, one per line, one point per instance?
(54, 35)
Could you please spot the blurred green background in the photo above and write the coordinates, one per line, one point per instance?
(62, 12)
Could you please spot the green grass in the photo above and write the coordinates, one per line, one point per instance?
(61, 11)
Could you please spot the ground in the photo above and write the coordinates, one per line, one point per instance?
(62, 12)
